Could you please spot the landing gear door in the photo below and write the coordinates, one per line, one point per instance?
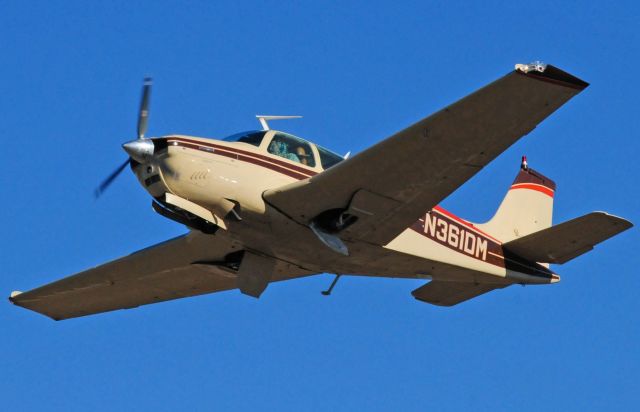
(254, 273)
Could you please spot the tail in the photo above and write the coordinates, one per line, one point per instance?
(527, 207)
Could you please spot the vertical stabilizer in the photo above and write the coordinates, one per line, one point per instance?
(527, 207)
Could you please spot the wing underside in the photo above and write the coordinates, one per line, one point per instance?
(186, 266)
(388, 186)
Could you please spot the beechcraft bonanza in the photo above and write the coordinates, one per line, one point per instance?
(265, 206)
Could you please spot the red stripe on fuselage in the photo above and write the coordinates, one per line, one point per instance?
(234, 154)
(464, 222)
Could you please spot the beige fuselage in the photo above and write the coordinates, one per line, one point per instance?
(218, 175)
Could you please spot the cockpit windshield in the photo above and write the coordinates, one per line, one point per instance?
(253, 137)
(288, 146)
(328, 158)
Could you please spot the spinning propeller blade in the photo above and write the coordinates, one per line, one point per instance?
(143, 119)
(107, 182)
(143, 114)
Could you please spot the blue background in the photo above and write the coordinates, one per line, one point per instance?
(358, 71)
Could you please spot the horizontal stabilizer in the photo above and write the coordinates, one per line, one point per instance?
(563, 242)
(451, 293)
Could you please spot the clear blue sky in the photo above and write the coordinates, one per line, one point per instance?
(358, 71)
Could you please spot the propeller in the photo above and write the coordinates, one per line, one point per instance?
(139, 149)
(143, 113)
(107, 182)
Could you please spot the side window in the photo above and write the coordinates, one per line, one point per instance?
(292, 148)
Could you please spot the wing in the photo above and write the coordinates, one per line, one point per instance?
(451, 293)
(189, 265)
(568, 240)
(388, 186)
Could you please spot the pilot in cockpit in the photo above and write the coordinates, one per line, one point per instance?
(302, 155)
(280, 148)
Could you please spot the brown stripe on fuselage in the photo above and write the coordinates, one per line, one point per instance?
(269, 159)
(241, 155)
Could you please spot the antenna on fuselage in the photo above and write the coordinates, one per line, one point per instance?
(333, 284)
(264, 117)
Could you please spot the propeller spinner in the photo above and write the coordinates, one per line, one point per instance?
(141, 149)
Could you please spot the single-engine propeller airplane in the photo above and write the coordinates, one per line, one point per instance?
(265, 206)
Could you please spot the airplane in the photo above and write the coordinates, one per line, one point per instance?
(266, 206)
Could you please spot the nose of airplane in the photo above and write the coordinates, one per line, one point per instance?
(140, 150)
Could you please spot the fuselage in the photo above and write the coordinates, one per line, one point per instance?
(217, 173)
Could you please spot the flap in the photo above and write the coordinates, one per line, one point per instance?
(255, 273)
(568, 240)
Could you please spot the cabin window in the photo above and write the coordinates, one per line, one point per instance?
(328, 158)
(292, 148)
(253, 138)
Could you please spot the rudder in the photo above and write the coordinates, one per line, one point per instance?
(527, 207)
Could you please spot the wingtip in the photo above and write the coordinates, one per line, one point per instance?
(13, 295)
(550, 73)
